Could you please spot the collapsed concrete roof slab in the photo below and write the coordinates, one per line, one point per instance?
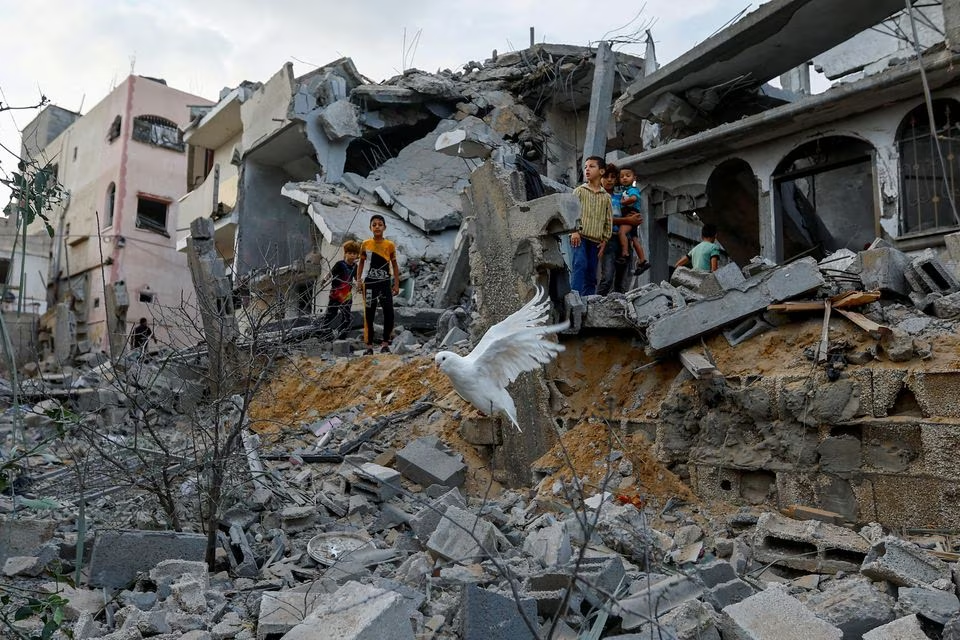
(895, 85)
(426, 184)
(775, 38)
(343, 217)
(696, 319)
(219, 124)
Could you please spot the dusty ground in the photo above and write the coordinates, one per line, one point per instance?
(603, 379)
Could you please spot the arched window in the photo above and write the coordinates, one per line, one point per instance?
(158, 131)
(929, 178)
(109, 205)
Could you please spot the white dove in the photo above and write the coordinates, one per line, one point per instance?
(512, 346)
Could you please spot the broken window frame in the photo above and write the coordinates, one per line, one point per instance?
(110, 205)
(146, 223)
(159, 132)
(923, 180)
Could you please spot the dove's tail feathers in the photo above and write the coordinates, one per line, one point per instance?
(509, 409)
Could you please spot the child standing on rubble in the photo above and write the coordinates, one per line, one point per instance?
(706, 255)
(336, 321)
(593, 228)
(629, 237)
(376, 284)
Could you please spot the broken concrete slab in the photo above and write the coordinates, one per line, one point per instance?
(426, 462)
(774, 614)
(356, 612)
(488, 614)
(855, 606)
(807, 545)
(281, 611)
(903, 564)
(883, 269)
(118, 556)
(947, 306)
(932, 604)
(461, 143)
(698, 318)
(550, 545)
(23, 537)
(339, 121)
(907, 628)
(649, 603)
(727, 277)
(425, 522)
(463, 537)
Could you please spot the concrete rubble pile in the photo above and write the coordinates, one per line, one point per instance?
(918, 295)
(390, 548)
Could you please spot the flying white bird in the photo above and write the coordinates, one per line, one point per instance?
(512, 346)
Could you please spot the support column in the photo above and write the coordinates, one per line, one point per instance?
(118, 303)
(601, 102)
(771, 225)
(658, 248)
(215, 299)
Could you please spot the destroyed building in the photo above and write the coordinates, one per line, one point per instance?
(765, 452)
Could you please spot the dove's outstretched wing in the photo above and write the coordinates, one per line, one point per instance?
(517, 343)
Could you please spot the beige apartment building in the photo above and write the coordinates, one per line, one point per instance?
(124, 168)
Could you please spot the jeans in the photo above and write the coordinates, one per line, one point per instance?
(585, 263)
(613, 276)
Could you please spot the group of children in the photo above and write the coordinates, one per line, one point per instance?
(610, 203)
(378, 286)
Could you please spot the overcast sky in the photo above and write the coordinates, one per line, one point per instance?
(76, 51)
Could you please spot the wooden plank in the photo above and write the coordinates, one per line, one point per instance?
(824, 333)
(849, 299)
(791, 307)
(696, 364)
(875, 330)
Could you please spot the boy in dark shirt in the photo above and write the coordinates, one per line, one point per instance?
(337, 320)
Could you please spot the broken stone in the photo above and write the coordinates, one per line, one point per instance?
(425, 462)
(425, 522)
(903, 564)
(807, 545)
(487, 614)
(774, 614)
(908, 628)
(356, 612)
(932, 604)
(118, 556)
(651, 602)
(855, 606)
(22, 566)
(463, 537)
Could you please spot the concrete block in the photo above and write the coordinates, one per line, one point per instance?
(487, 614)
(23, 537)
(425, 522)
(384, 195)
(549, 545)
(650, 305)
(461, 143)
(576, 310)
(657, 599)
(356, 612)
(927, 275)
(723, 279)
(853, 605)
(463, 537)
(600, 577)
(456, 271)
(281, 611)
(901, 629)
(693, 620)
(688, 278)
(550, 591)
(904, 564)
(455, 335)
(746, 329)
(425, 462)
(79, 601)
(118, 556)
(169, 571)
(22, 566)
(717, 572)
(947, 307)
(932, 604)
(382, 482)
(339, 120)
(807, 545)
(704, 316)
(728, 593)
(884, 268)
(773, 614)
(841, 455)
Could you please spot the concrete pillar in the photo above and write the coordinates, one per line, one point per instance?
(64, 333)
(797, 79)
(771, 227)
(601, 102)
(951, 23)
(513, 245)
(658, 248)
(215, 299)
(117, 302)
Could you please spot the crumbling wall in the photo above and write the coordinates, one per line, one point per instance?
(876, 445)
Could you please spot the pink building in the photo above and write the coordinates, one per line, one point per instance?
(124, 167)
